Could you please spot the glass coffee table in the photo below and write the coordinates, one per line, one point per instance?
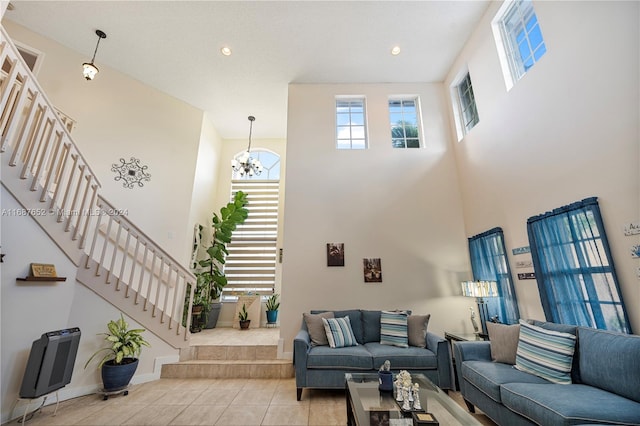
(368, 406)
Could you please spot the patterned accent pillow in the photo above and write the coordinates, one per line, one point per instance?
(339, 332)
(393, 328)
(545, 353)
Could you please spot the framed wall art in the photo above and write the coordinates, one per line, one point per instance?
(372, 270)
(335, 254)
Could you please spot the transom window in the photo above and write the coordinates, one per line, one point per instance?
(351, 131)
(403, 116)
(270, 166)
(467, 110)
(519, 36)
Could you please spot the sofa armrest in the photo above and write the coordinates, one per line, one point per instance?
(440, 347)
(470, 351)
(301, 347)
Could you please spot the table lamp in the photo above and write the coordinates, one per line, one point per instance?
(480, 290)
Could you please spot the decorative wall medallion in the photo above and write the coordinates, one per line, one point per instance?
(131, 173)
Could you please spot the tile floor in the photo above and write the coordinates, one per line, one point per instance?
(226, 402)
(190, 402)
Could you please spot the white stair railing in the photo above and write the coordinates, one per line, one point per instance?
(44, 170)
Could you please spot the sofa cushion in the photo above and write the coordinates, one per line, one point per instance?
(504, 342)
(417, 330)
(339, 333)
(348, 358)
(371, 326)
(609, 361)
(315, 327)
(545, 353)
(557, 404)
(393, 328)
(489, 376)
(409, 358)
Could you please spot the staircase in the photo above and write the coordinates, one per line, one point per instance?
(222, 353)
(44, 170)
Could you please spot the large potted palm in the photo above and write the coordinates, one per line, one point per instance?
(120, 360)
(210, 278)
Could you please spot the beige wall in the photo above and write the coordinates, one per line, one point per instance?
(119, 117)
(566, 131)
(400, 205)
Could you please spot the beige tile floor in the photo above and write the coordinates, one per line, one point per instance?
(227, 402)
(208, 402)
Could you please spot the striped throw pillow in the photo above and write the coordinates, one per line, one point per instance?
(339, 332)
(393, 328)
(545, 353)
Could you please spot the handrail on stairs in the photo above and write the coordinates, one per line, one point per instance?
(47, 173)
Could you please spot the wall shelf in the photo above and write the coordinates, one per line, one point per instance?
(40, 279)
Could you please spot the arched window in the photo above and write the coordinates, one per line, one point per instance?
(270, 162)
(251, 263)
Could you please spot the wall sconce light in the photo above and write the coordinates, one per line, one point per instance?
(480, 290)
(89, 70)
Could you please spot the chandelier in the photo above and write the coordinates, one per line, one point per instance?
(244, 163)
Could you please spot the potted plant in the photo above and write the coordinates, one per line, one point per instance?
(119, 363)
(272, 306)
(243, 317)
(210, 279)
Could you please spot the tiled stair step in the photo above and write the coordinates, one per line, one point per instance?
(231, 353)
(228, 369)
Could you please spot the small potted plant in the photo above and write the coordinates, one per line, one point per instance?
(243, 317)
(272, 306)
(119, 363)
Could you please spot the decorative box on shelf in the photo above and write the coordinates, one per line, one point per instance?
(424, 419)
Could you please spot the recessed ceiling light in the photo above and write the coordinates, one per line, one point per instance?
(395, 50)
(226, 51)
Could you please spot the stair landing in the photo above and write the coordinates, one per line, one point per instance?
(224, 353)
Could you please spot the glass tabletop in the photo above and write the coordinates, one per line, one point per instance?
(368, 406)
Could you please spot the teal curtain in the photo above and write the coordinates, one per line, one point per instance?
(574, 267)
(489, 263)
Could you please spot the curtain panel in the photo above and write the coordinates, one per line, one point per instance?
(489, 263)
(574, 268)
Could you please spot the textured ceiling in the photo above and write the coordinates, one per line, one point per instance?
(174, 46)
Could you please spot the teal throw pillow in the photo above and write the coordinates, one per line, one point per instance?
(545, 353)
(393, 328)
(339, 332)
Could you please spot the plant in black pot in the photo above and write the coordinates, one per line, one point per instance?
(209, 271)
(120, 360)
(272, 306)
(243, 318)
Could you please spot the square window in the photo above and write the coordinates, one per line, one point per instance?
(518, 38)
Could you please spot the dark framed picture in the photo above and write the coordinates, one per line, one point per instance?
(335, 254)
(372, 270)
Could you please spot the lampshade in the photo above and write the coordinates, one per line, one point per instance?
(479, 288)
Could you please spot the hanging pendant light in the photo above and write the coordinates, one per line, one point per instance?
(89, 70)
(244, 163)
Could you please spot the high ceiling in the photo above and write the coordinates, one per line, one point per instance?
(174, 46)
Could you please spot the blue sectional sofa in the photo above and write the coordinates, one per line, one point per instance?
(604, 376)
(324, 367)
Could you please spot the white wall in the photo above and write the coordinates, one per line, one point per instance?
(566, 131)
(400, 205)
(29, 309)
(119, 117)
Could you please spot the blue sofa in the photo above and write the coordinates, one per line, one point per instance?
(604, 389)
(323, 367)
